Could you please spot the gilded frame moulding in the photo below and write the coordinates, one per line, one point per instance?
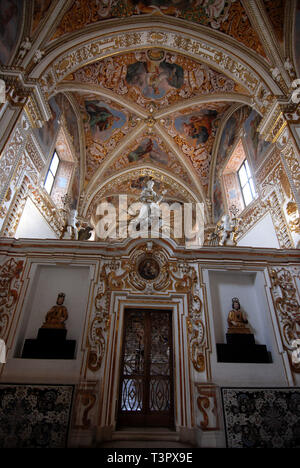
(287, 307)
(10, 273)
(122, 275)
(117, 43)
(207, 403)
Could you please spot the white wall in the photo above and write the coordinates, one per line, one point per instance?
(32, 224)
(263, 234)
(249, 288)
(46, 282)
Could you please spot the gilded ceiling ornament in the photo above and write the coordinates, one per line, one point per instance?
(84, 54)
(293, 213)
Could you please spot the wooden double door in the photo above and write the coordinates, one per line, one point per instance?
(146, 378)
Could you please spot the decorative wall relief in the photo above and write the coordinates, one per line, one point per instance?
(292, 160)
(208, 406)
(12, 153)
(71, 61)
(99, 326)
(85, 399)
(9, 287)
(165, 276)
(286, 303)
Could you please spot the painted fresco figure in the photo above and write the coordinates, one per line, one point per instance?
(200, 127)
(100, 117)
(154, 77)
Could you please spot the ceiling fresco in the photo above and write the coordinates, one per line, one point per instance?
(194, 131)
(40, 10)
(153, 109)
(154, 80)
(10, 25)
(155, 77)
(149, 149)
(105, 124)
(226, 16)
(275, 10)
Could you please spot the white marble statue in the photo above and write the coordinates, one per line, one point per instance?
(71, 230)
(24, 48)
(227, 229)
(150, 209)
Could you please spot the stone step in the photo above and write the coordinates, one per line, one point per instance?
(146, 435)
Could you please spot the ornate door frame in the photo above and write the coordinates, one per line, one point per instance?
(183, 400)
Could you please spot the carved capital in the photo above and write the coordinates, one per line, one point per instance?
(20, 92)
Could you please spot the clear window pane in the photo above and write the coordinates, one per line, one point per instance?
(243, 176)
(247, 194)
(248, 169)
(49, 182)
(54, 164)
(252, 187)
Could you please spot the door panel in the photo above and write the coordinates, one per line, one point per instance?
(146, 383)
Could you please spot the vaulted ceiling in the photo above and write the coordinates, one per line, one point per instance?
(141, 111)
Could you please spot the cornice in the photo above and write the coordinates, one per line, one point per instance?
(24, 86)
(68, 251)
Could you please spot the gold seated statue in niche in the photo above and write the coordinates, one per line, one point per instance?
(57, 315)
(237, 322)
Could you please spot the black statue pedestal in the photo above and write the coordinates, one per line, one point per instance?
(242, 348)
(50, 343)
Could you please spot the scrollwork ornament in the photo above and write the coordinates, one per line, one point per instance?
(207, 405)
(9, 273)
(287, 307)
(99, 326)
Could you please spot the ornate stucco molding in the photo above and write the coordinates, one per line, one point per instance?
(9, 286)
(122, 275)
(212, 53)
(21, 91)
(12, 153)
(286, 303)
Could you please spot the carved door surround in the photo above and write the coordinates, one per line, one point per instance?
(183, 400)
